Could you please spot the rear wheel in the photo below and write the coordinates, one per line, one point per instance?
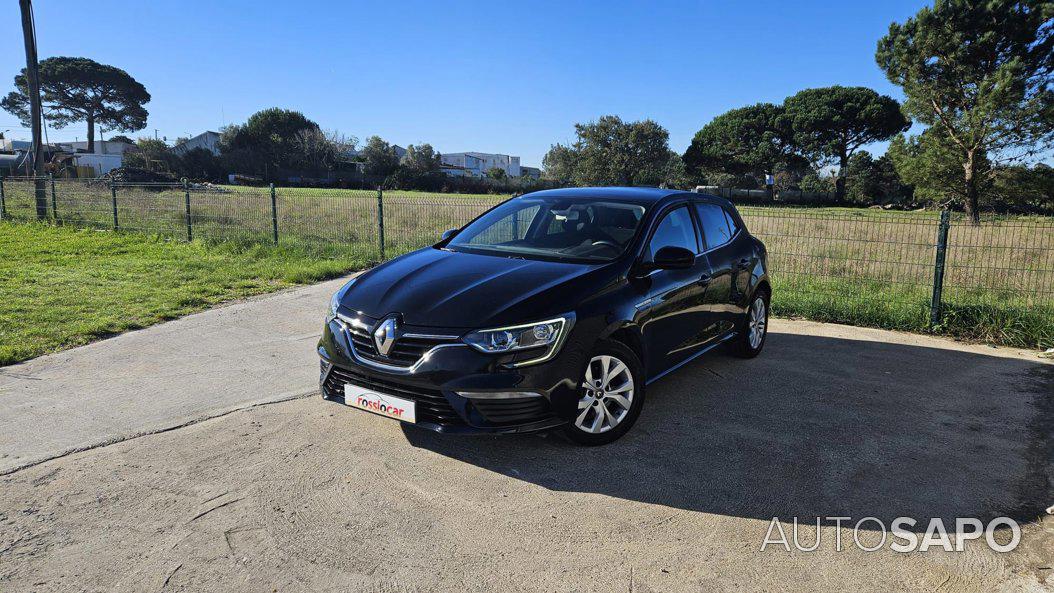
(611, 396)
(754, 327)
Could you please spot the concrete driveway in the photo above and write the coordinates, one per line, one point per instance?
(251, 352)
(307, 495)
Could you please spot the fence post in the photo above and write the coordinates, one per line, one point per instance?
(938, 268)
(274, 214)
(3, 202)
(186, 195)
(380, 219)
(40, 195)
(113, 200)
(54, 202)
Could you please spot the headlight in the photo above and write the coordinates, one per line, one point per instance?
(334, 301)
(547, 334)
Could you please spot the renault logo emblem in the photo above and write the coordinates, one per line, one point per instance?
(384, 335)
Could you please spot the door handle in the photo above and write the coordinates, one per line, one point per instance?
(705, 279)
(744, 261)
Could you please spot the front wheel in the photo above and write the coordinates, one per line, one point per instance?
(611, 396)
(754, 327)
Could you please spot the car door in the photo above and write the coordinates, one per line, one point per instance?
(672, 317)
(724, 256)
(743, 257)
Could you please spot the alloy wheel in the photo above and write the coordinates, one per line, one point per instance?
(758, 323)
(607, 395)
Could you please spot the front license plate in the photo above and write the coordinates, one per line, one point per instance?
(379, 403)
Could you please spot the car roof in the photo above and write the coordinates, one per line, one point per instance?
(629, 194)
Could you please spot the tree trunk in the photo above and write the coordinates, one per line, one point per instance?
(91, 133)
(839, 182)
(972, 193)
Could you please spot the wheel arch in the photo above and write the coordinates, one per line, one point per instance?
(764, 285)
(627, 334)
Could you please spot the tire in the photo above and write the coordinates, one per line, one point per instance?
(590, 427)
(747, 344)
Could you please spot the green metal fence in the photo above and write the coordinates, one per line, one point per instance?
(904, 270)
(914, 270)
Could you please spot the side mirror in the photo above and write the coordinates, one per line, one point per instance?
(673, 258)
(448, 233)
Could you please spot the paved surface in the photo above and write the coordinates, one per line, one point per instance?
(258, 350)
(307, 495)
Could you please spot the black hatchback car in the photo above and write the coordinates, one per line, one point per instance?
(552, 309)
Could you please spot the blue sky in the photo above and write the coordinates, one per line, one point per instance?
(510, 77)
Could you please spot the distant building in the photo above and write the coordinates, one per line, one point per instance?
(532, 172)
(464, 163)
(100, 164)
(478, 163)
(15, 156)
(210, 141)
(454, 170)
(9, 145)
(101, 147)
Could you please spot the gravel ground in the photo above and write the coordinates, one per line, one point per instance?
(830, 421)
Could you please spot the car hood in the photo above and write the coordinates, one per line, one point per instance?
(438, 288)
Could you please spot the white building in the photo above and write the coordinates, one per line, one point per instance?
(210, 141)
(101, 147)
(101, 164)
(107, 156)
(478, 163)
(454, 170)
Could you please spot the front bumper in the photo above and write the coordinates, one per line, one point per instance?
(435, 381)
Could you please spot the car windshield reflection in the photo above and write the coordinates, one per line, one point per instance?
(580, 230)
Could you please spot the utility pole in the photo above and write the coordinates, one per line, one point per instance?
(33, 80)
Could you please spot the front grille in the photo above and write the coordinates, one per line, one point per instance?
(431, 405)
(513, 411)
(405, 352)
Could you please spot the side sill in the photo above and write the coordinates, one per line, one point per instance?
(705, 349)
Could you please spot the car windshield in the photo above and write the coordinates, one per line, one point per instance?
(579, 229)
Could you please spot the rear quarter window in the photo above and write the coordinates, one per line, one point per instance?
(733, 226)
(714, 219)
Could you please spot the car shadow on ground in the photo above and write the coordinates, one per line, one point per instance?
(814, 427)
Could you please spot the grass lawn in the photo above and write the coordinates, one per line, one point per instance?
(62, 287)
